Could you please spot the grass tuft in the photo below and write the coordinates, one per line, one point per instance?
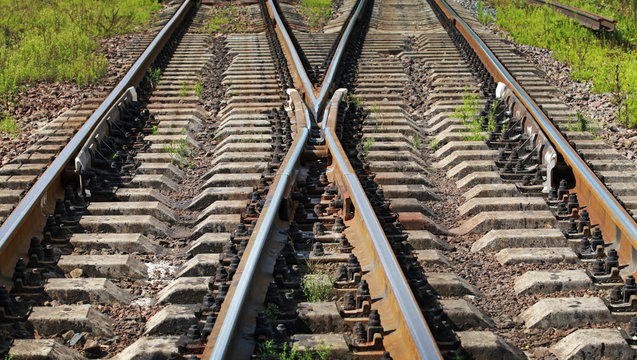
(317, 287)
(9, 126)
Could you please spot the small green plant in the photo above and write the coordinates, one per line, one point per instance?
(152, 76)
(375, 108)
(312, 266)
(416, 141)
(9, 126)
(582, 124)
(367, 145)
(433, 143)
(492, 124)
(316, 287)
(354, 100)
(271, 312)
(155, 130)
(268, 350)
(181, 149)
(233, 92)
(467, 112)
(198, 88)
(183, 91)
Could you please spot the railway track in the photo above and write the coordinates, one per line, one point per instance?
(399, 185)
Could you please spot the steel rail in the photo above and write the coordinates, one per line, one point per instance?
(615, 222)
(328, 79)
(412, 322)
(42, 195)
(397, 297)
(585, 18)
(296, 59)
(221, 343)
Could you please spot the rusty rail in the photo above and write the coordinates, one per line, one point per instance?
(617, 225)
(585, 18)
(30, 214)
(410, 337)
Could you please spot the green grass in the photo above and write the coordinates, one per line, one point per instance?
(317, 12)
(433, 143)
(228, 18)
(416, 141)
(467, 113)
(152, 76)
(56, 40)
(183, 91)
(367, 145)
(183, 151)
(8, 125)
(353, 99)
(269, 351)
(609, 61)
(198, 88)
(317, 287)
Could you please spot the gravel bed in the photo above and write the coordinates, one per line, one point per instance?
(598, 108)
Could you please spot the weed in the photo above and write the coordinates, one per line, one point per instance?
(233, 92)
(271, 312)
(312, 266)
(367, 144)
(317, 12)
(152, 76)
(183, 91)
(581, 124)
(9, 126)
(467, 113)
(198, 88)
(317, 287)
(353, 100)
(416, 141)
(155, 130)
(268, 350)
(181, 149)
(433, 143)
